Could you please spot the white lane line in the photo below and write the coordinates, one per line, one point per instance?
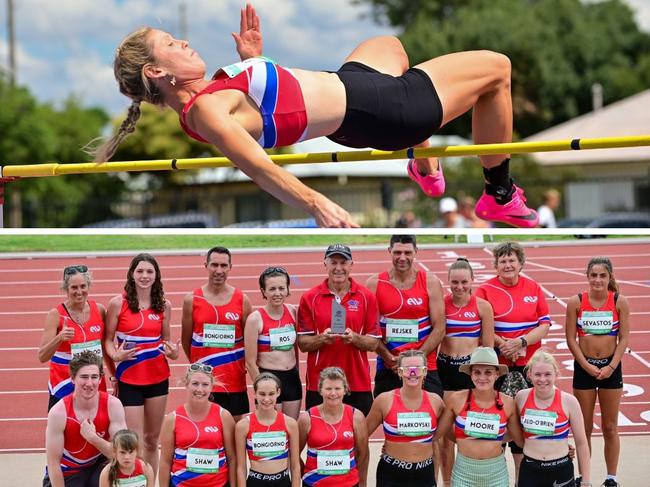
(639, 358)
(421, 264)
(556, 269)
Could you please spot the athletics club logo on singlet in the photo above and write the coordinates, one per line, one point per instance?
(469, 314)
(211, 429)
(530, 299)
(232, 316)
(414, 301)
(154, 317)
(348, 434)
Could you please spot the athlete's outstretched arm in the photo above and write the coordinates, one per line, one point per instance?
(219, 128)
(249, 40)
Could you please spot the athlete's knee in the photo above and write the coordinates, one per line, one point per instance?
(397, 50)
(150, 441)
(610, 429)
(499, 65)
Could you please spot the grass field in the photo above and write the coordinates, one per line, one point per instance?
(62, 243)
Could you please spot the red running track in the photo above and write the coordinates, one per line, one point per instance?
(29, 288)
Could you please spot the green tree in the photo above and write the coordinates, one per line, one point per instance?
(32, 132)
(558, 48)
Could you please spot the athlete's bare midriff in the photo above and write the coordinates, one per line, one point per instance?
(324, 96)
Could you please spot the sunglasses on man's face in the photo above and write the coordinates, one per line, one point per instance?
(73, 269)
(201, 368)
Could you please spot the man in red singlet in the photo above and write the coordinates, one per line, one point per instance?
(79, 427)
(411, 315)
(337, 327)
(213, 332)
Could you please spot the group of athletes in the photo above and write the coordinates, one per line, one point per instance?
(458, 375)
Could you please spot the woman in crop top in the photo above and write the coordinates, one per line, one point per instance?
(270, 338)
(410, 419)
(546, 415)
(197, 442)
(138, 342)
(469, 322)
(75, 325)
(256, 104)
(600, 317)
(480, 417)
(335, 435)
(270, 440)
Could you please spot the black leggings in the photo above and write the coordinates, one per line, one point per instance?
(552, 473)
(257, 479)
(392, 472)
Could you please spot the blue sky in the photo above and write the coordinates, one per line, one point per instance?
(67, 46)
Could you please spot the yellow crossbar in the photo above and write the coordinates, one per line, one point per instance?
(57, 169)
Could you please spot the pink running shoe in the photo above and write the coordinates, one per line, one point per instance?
(432, 185)
(514, 213)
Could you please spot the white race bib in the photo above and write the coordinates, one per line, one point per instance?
(233, 70)
(282, 338)
(269, 444)
(413, 424)
(138, 481)
(402, 330)
(482, 425)
(94, 346)
(332, 462)
(539, 422)
(200, 460)
(597, 322)
(219, 336)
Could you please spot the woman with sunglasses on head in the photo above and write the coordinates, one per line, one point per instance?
(269, 438)
(410, 418)
(336, 437)
(139, 319)
(469, 321)
(73, 326)
(270, 338)
(480, 417)
(600, 317)
(546, 415)
(197, 441)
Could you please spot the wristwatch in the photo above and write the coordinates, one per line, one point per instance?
(524, 343)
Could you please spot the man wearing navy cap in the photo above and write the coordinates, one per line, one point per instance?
(338, 324)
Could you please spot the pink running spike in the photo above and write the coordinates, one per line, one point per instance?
(432, 185)
(514, 213)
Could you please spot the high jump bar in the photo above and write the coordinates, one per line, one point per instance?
(58, 169)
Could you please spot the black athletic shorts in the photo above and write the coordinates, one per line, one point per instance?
(387, 380)
(132, 395)
(392, 472)
(87, 477)
(359, 400)
(53, 400)
(257, 479)
(450, 376)
(546, 473)
(583, 381)
(291, 387)
(387, 112)
(235, 403)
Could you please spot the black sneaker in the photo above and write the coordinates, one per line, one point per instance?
(578, 481)
(610, 483)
